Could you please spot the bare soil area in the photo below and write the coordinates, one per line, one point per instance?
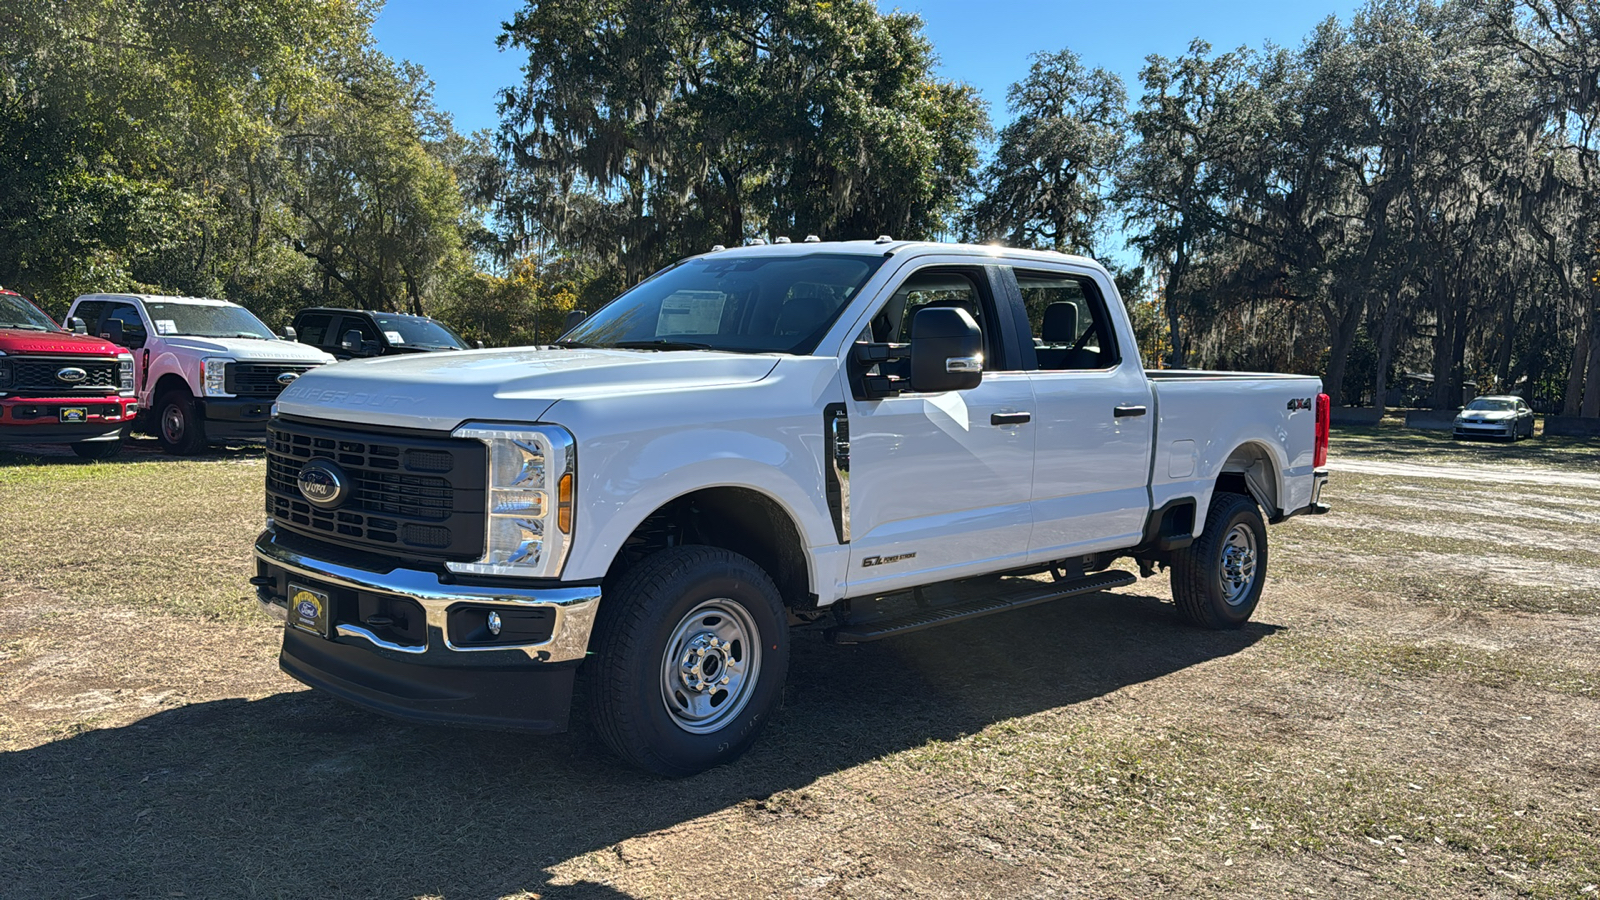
(1414, 712)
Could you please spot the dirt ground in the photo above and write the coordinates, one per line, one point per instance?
(1414, 712)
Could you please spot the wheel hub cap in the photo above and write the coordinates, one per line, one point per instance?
(710, 666)
(705, 665)
(1238, 564)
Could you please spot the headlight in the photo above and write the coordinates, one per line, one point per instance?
(125, 372)
(529, 509)
(214, 376)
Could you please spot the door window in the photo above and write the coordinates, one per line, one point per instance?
(133, 330)
(314, 330)
(352, 323)
(1067, 318)
(90, 311)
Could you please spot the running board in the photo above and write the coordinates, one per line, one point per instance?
(973, 609)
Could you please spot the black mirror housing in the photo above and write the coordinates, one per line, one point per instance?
(289, 334)
(113, 333)
(946, 351)
(351, 342)
(573, 320)
(76, 326)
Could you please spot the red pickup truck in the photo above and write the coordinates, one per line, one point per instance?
(60, 386)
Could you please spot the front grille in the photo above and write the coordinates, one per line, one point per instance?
(411, 497)
(37, 375)
(260, 379)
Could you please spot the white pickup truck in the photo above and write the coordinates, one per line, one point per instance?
(854, 437)
(206, 370)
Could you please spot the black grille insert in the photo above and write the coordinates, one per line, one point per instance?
(37, 375)
(261, 379)
(417, 497)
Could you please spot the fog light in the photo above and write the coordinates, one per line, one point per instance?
(494, 623)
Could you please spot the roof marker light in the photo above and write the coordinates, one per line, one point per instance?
(883, 239)
(781, 240)
(812, 239)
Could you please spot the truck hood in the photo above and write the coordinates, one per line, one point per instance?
(438, 391)
(65, 343)
(249, 349)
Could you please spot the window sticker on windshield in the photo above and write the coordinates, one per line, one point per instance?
(394, 337)
(166, 326)
(691, 312)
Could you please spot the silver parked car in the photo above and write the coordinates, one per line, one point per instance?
(1500, 417)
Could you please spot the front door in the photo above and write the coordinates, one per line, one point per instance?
(939, 486)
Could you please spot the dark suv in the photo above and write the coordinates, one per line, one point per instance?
(354, 333)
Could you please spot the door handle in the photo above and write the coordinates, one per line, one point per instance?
(1010, 418)
(1122, 411)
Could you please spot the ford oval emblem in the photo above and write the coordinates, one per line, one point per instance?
(307, 610)
(288, 377)
(71, 375)
(322, 483)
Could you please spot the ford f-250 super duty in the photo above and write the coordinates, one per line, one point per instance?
(58, 385)
(853, 436)
(206, 370)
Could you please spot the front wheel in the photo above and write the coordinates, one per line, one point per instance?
(178, 424)
(1217, 580)
(97, 449)
(692, 654)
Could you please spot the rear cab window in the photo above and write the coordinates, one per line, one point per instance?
(1068, 322)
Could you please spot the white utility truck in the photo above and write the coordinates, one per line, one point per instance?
(855, 437)
(206, 370)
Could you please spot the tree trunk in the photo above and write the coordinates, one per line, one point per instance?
(1342, 331)
(1572, 401)
(1591, 388)
(1180, 357)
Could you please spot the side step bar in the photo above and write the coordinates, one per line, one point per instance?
(973, 609)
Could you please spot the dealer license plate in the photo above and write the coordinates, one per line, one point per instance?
(74, 413)
(308, 609)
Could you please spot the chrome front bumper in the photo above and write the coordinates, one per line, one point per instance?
(573, 609)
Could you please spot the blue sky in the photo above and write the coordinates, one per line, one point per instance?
(985, 44)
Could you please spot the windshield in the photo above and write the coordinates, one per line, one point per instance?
(206, 321)
(1484, 404)
(415, 331)
(746, 304)
(16, 312)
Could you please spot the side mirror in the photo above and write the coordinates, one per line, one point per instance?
(574, 319)
(113, 332)
(289, 333)
(478, 344)
(351, 343)
(946, 351)
(77, 326)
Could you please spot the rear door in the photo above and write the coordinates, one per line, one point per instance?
(939, 483)
(1094, 416)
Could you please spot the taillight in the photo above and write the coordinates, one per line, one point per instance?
(1324, 412)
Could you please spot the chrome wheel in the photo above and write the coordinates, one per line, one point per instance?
(710, 666)
(1238, 570)
(172, 423)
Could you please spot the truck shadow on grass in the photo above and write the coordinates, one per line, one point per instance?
(297, 795)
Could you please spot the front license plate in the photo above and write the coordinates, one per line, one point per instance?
(74, 413)
(308, 609)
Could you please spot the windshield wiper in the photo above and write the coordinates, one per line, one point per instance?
(659, 344)
(25, 326)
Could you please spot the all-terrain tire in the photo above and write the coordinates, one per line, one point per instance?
(178, 425)
(97, 449)
(1217, 580)
(653, 701)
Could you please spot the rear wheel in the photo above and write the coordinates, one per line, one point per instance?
(178, 424)
(97, 449)
(1217, 580)
(692, 654)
